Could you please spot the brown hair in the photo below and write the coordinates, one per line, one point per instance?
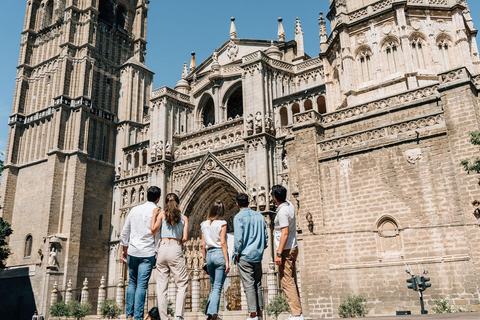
(172, 210)
(217, 211)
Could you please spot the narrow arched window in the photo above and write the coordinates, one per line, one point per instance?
(295, 108)
(322, 105)
(136, 160)
(283, 116)
(129, 162)
(392, 56)
(28, 246)
(49, 12)
(144, 157)
(443, 48)
(308, 105)
(365, 65)
(121, 17)
(235, 104)
(209, 113)
(417, 53)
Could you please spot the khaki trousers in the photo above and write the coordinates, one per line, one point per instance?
(170, 259)
(288, 279)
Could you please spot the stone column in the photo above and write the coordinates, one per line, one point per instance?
(68, 294)
(196, 291)
(101, 294)
(120, 299)
(85, 295)
(54, 295)
(271, 281)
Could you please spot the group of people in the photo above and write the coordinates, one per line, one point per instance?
(152, 239)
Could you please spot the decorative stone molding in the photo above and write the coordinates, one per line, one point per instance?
(255, 142)
(382, 104)
(413, 155)
(166, 91)
(310, 116)
(374, 134)
(454, 75)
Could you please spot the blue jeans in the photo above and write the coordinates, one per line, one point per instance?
(216, 271)
(139, 271)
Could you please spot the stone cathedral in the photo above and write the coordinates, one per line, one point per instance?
(367, 137)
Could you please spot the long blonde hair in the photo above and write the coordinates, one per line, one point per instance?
(172, 209)
(217, 211)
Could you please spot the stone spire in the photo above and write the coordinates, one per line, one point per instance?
(192, 62)
(322, 32)
(281, 31)
(299, 38)
(233, 29)
(185, 70)
(182, 85)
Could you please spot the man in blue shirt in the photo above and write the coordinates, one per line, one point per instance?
(250, 240)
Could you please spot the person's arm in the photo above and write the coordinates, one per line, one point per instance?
(204, 250)
(266, 235)
(238, 238)
(185, 229)
(125, 238)
(281, 245)
(156, 220)
(223, 243)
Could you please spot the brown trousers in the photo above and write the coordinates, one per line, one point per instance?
(288, 279)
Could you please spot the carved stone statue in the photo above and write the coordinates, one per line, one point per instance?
(142, 195)
(268, 124)
(153, 151)
(125, 199)
(249, 121)
(119, 168)
(52, 259)
(160, 149)
(285, 162)
(134, 197)
(168, 148)
(258, 122)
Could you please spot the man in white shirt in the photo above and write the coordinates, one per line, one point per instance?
(139, 248)
(287, 249)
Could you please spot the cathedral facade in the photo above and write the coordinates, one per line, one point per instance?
(367, 137)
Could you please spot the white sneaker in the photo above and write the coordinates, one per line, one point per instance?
(300, 317)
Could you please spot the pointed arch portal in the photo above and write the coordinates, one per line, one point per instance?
(211, 189)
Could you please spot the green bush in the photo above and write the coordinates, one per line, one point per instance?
(59, 309)
(170, 311)
(203, 304)
(109, 309)
(78, 310)
(278, 305)
(443, 306)
(353, 306)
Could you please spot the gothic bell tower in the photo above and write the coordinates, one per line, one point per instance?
(56, 189)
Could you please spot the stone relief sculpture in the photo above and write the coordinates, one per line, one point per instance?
(261, 199)
(142, 195)
(268, 124)
(160, 149)
(253, 198)
(285, 161)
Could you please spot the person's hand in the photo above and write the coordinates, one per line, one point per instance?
(156, 212)
(278, 261)
(227, 268)
(124, 256)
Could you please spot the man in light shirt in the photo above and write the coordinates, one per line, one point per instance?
(139, 248)
(287, 249)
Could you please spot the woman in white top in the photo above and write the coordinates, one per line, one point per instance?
(215, 255)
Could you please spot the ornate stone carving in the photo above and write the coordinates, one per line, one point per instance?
(232, 50)
(258, 122)
(413, 155)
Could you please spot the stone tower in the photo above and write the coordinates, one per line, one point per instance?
(80, 61)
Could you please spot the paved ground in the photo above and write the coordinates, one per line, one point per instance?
(456, 316)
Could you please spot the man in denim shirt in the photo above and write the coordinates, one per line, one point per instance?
(250, 240)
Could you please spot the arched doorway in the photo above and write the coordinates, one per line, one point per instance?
(209, 191)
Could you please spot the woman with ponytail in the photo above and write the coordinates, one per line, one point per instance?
(173, 232)
(215, 255)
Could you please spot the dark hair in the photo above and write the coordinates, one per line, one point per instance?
(154, 314)
(153, 193)
(172, 209)
(279, 192)
(242, 200)
(217, 211)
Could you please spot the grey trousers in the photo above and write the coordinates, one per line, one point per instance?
(251, 275)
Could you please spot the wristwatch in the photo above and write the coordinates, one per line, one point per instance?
(279, 255)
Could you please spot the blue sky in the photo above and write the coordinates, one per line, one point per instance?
(175, 28)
